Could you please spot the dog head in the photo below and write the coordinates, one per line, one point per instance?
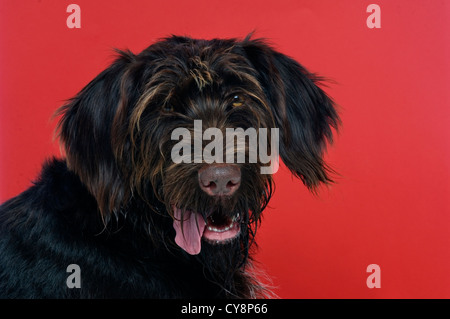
(119, 138)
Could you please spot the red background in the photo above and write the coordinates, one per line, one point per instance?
(391, 204)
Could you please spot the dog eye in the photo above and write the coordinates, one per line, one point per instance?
(237, 101)
(167, 108)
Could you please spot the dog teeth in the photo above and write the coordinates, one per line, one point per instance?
(234, 219)
(221, 230)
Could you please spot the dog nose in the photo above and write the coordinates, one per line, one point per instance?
(219, 179)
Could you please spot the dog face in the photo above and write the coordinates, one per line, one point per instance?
(118, 136)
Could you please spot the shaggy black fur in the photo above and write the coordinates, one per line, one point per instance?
(108, 207)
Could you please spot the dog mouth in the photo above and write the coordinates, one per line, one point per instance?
(220, 229)
(217, 228)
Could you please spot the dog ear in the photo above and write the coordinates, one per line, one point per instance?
(85, 128)
(303, 112)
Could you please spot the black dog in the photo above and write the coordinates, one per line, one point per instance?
(119, 218)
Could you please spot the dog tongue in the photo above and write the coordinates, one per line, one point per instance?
(189, 238)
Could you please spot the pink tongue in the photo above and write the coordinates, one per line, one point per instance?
(189, 238)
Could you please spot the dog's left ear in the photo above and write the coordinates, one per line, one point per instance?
(303, 112)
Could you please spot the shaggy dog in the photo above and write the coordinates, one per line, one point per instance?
(119, 218)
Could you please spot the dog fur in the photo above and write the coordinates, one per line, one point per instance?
(109, 205)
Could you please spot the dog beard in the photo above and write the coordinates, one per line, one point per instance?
(223, 263)
(220, 221)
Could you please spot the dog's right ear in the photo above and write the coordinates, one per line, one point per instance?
(303, 112)
(85, 129)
